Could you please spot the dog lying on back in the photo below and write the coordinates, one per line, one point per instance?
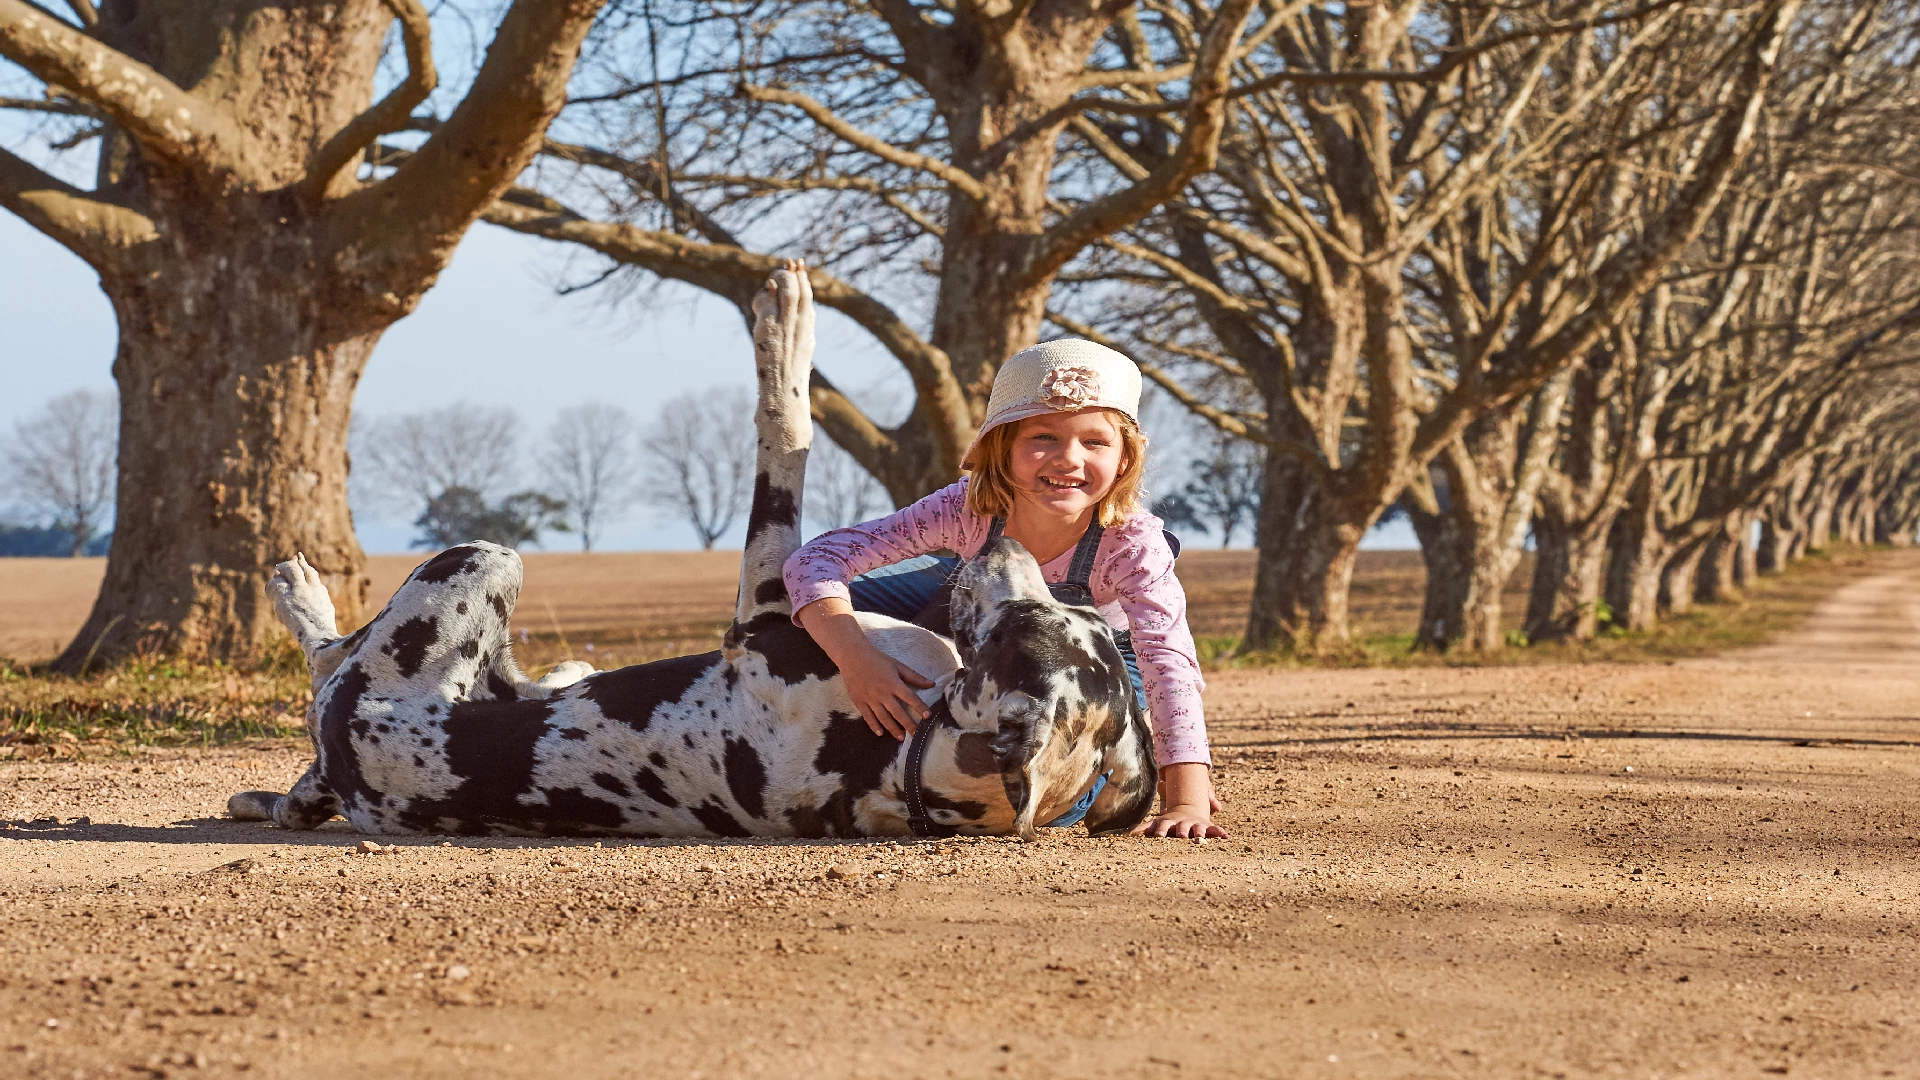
(422, 722)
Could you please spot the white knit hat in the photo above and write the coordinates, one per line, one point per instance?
(1067, 375)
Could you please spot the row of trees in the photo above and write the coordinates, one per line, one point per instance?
(1621, 275)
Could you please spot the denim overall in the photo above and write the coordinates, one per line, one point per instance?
(919, 589)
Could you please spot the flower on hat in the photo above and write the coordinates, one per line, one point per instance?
(1070, 386)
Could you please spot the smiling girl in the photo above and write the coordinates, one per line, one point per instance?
(1057, 466)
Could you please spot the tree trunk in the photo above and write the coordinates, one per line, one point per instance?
(1636, 558)
(1304, 565)
(1746, 565)
(1469, 562)
(1679, 579)
(1492, 475)
(267, 371)
(1820, 522)
(1775, 550)
(1565, 598)
(1718, 578)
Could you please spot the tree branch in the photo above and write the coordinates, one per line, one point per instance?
(645, 176)
(48, 105)
(1198, 149)
(171, 124)
(736, 274)
(86, 226)
(959, 179)
(421, 211)
(872, 446)
(390, 114)
(1626, 275)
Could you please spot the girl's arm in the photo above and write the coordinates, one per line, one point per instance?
(817, 575)
(1139, 573)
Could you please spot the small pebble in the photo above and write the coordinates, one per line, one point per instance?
(368, 846)
(458, 972)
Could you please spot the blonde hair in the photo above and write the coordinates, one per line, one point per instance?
(990, 488)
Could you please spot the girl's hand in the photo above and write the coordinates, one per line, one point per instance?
(882, 689)
(1187, 804)
(1187, 821)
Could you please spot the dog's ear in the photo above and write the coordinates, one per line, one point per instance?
(1132, 782)
(1016, 742)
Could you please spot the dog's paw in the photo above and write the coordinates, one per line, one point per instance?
(300, 599)
(566, 673)
(783, 320)
(252, 805)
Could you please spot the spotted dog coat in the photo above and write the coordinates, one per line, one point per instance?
(422, 722)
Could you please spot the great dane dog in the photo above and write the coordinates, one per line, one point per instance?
(422, 722)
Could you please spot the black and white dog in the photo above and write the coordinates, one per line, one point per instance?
(422, 722)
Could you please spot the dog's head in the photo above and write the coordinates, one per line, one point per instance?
(1046, 682)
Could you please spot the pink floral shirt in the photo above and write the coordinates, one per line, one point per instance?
(1133, 585)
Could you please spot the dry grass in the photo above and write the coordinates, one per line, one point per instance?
(626, 608)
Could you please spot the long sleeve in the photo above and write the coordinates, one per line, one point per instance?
(823, 566)
(1136, 570)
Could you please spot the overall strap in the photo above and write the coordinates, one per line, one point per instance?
(1081, 569)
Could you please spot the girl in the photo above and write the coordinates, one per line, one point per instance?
(1056, 466)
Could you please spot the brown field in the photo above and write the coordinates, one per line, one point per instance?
(1705, 867)
(635, 606)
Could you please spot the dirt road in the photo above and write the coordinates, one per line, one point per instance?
(1709, 868)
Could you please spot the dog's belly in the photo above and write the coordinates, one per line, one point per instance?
(688, 747)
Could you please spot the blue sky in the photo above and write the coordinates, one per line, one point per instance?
(493, 320)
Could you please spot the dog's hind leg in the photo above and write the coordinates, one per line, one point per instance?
(300, 599)
(783, 357)
(309, 804)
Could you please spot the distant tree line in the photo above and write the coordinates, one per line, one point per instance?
(463, 469)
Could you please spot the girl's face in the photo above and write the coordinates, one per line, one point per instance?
(1065, 463)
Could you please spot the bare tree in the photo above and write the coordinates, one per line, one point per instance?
(62, 463)
(921, 145)
(700, 454)
(253, 264)
(588, 461)
(1222, 489)
(411, 459)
